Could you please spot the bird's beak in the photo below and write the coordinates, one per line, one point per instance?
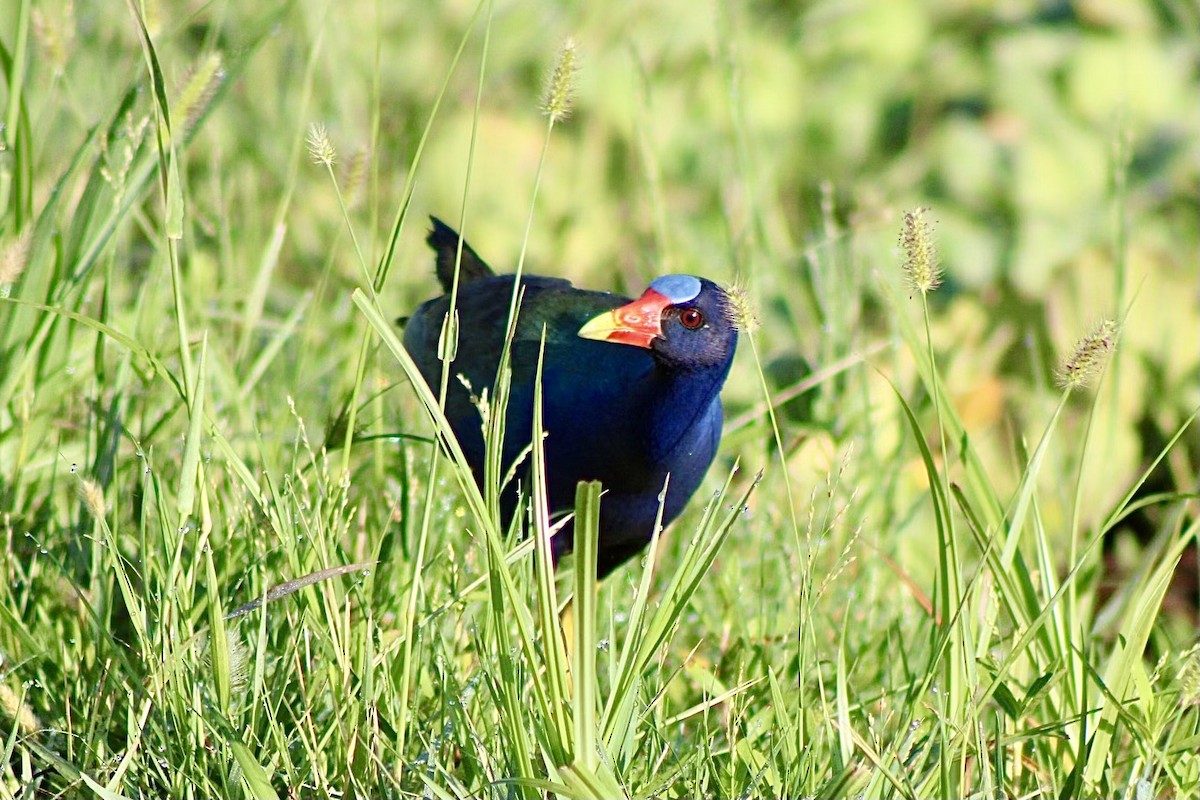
(638, 323)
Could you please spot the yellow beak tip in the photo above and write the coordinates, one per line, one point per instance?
(599, 327)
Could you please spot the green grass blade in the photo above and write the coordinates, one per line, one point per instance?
(554, 653)
(257, 781)
(583, 668)
(190, 470)
(1135, 632)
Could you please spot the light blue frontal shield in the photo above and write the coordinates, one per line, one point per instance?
(677, 288)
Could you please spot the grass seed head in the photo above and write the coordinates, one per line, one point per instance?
(14, 708)
(1189, 677)
(921, 268)
(93, 498)
(200, 86)
(13, 258)
(560, 86)
(54, 32)
(1088, 357)
(741, 309)
(355, 172)
(119, 153)
(319, 145)
(239, 662)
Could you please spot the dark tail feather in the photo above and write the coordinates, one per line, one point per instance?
(444, 240)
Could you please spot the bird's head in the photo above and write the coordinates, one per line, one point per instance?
(685, 321)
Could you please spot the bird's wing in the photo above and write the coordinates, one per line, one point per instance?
(483, 315)
(483, 307)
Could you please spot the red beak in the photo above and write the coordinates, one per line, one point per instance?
(638, 323)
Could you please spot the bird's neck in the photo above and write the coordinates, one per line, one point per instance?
(680, 401)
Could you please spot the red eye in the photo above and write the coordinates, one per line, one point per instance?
(691, 318)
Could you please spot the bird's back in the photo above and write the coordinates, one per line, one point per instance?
(582, 380)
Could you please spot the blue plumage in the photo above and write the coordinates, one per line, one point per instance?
(631, 389)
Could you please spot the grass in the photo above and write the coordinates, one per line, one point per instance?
(236, 563)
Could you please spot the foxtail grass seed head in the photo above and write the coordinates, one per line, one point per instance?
(120, 152)
(13, 707)
(319, 145)
(1189, 677)
(93, 498)
(54, 32)
(741, 309)
(560, 86)
(922, 271)
(354, 175)
(1087, 359)
(200, 85)
(13, 257)
(239, 662)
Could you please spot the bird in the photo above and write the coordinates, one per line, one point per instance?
(630, 387)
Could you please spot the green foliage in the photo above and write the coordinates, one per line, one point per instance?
(918, 568)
